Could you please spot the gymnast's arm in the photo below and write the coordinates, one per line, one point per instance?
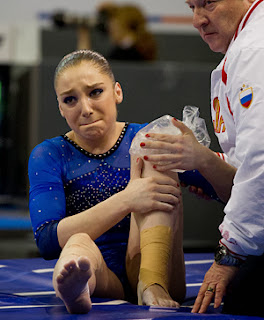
(140, 195)
(213, 178)
(52, 228)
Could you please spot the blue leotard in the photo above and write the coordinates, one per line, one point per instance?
(65, 180)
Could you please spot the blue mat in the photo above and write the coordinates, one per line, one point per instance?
(14, 219)
(15, 223)
(26, 293)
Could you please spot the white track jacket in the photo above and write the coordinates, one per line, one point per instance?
(237, 105)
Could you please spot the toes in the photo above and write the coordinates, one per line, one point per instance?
(156, 297)
(84, 263)
(62, 275)
(169, 304)
(60, 278)
(174, 304)
(70, 266)
(66, 271)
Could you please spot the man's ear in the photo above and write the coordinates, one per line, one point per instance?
(118, 93)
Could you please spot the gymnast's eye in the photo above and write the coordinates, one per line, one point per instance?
(69, 100)
(96, 92)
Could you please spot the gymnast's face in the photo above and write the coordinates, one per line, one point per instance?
(87, 100)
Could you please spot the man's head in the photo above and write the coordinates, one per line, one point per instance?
(217, 20)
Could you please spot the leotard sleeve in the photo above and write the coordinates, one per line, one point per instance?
(46, 198)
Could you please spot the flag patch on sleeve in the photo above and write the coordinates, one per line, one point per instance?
(246, 97)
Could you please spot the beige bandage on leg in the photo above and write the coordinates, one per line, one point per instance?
(155, 245)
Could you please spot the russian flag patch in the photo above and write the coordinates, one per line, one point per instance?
(246, 97)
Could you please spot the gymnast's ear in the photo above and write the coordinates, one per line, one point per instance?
(118, 93)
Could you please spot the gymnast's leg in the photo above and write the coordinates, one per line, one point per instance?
(155, 260)
(81, 272)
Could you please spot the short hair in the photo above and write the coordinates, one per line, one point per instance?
(76, 57)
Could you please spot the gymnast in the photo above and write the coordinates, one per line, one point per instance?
(117, 233)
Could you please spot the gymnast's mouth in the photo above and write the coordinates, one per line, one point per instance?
(89, 123)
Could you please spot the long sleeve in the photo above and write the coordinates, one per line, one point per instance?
(243, 225)
(46, 198)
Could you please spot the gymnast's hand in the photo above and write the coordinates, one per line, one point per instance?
(214, 286)
(151, 193)
(181, 151)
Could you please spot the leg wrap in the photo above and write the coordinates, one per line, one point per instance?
(155, 245)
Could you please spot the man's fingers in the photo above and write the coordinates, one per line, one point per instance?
(180, 125)
(219, 294)
(166, 138)
(208, 297)
(199, 299)
(204, 298)
(160, 142)
(197, 304)
(216, 293)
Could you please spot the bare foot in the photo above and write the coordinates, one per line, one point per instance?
(155, 295)
(73, 287)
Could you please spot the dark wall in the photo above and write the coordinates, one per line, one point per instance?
(150, 91)
(180, 77)
(171, 46)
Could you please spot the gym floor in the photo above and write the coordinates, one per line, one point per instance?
(26, 290)
(26, 293)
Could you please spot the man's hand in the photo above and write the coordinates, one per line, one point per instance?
(181, 151)
(214, 286)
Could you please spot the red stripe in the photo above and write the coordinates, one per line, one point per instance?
(250, 12)
(236, 33)
(224, 74)
(220, 155)
(229, 107)
(247, 17)
(242, 257)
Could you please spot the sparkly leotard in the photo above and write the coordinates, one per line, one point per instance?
(65, 180)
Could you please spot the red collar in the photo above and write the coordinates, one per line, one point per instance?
(247, 16)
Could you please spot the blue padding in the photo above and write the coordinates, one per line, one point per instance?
(26, 293)
(37, 309)
(14, 222)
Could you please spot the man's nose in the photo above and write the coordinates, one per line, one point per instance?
(199, 18)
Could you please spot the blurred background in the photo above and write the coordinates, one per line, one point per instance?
(156, 55)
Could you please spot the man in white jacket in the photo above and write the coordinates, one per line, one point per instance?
(234, 28)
